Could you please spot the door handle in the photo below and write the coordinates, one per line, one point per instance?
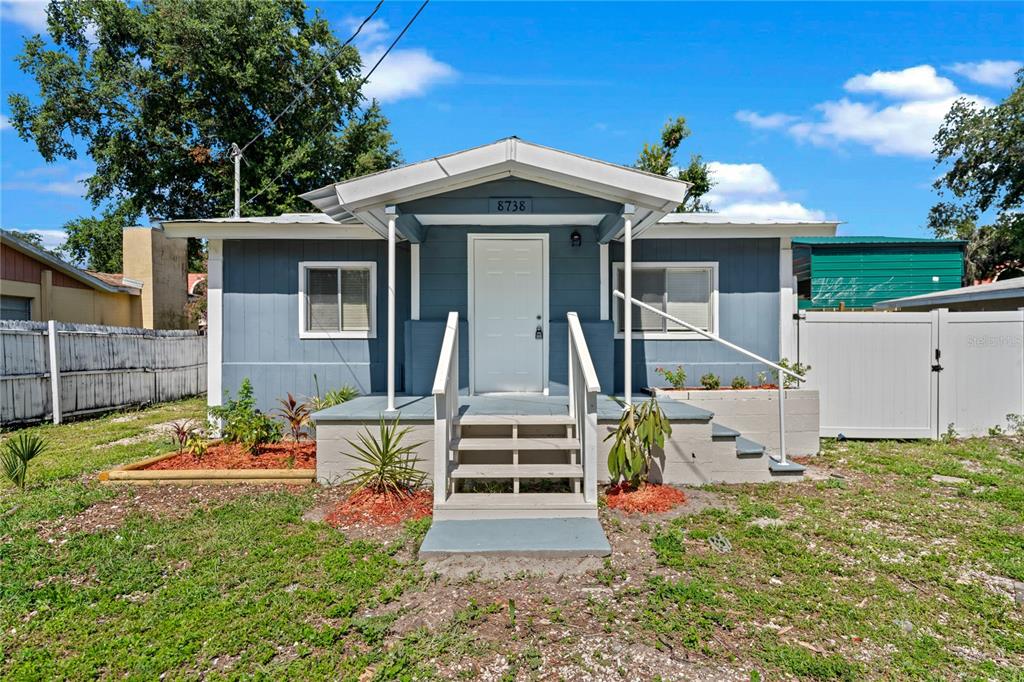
(539, 334)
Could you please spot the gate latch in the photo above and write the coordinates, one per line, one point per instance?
(937, 367)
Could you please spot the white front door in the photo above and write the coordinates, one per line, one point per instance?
(507, 290)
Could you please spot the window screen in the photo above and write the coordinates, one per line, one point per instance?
(338, 299)
(685, 293)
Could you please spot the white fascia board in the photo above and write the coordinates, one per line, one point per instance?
(729, 231)
(221, 230)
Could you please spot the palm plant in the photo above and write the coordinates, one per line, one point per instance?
(17, 452)
(295, 413)
(331, 398)
(388, 465)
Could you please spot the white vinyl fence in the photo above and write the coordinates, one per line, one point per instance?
(913, 375)
(84, 368)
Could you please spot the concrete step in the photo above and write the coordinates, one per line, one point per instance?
(515, 419)
(748, 448)
(521, 444)
(463, 506)
(517, 471)
(777, 468)
(536, 538)
(722, 432)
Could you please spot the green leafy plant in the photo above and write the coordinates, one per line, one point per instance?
(181, 433)
(641, 428)
(1015, 424)
(675, 377)
(762, 378)
(951, 434)
(710, 381)
(739, 382)
(389, 466)
(295, 414)
(197, 445)
(331, 398)
(17, 453)
(243, 423)
(798, 368)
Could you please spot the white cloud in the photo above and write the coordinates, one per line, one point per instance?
(29, 13)
(5, 122)
(49, 180)
(917, 82)
(999, 74)
(404, 73)
(749, 190)
(902, 128)
(756, 120)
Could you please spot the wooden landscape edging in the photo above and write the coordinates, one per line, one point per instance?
(137, 474)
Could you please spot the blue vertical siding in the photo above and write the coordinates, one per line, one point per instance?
(261, 320)
(748, 309)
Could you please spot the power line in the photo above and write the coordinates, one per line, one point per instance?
(306, 86)
(285, 167)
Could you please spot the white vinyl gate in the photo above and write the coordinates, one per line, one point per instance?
(912, 375)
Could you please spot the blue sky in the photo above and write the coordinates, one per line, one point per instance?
(805, 110)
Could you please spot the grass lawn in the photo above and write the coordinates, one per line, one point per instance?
(875, 571)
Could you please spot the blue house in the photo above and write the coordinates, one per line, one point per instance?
(468, 290)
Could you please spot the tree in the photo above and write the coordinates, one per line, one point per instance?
(33, 238)
(156, 91)
(984, 150)
(660, 160)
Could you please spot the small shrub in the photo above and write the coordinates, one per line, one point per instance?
(1015, 424)
(17, 453)
(798, 368)
(675, 377)
(951, 434)
(388, 465)
(181, 433)
(197, 445)
(739, 382)
(710, 381)
(243, 423)
(762, 378)
(295, 414)
(641, 428)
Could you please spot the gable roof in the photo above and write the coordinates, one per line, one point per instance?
(365, 197)
(110, 283)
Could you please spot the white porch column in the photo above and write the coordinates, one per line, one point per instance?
(787, 301)
(414, 284)
(605, 293)
(214, 325)
(627, 307)
(391, 212)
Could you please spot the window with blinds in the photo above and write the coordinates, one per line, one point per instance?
(683, 292)
(338, 299)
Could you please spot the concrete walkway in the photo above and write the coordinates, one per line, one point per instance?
(539, 538)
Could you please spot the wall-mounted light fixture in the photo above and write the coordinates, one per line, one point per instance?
(576, 239)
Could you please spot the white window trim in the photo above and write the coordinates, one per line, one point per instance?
(675, 335)
(352, 265)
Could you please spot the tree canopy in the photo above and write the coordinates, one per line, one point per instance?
(983, 150)
(156, 91)
(660, 159)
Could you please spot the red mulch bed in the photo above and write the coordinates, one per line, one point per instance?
(647, 499)
(380, 509)
(233, 456)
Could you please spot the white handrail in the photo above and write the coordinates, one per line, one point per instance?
(743, 351)
(713, 337)
(446, 406)
(583, 390)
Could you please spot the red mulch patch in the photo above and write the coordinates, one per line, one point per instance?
(647, 499)
(380, 509)
(233, 456)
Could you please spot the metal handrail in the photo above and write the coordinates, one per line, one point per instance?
(714, 337)
(583, 390)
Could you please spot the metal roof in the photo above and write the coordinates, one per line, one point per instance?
(1009, 288)
(705, 218)
(857, 240)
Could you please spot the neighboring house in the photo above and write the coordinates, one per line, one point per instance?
(517, 242)
(36, 285)
(1007, 294)
(854, 273)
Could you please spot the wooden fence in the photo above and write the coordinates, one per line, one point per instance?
(98, 368)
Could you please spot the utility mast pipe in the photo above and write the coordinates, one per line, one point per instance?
(236, 156)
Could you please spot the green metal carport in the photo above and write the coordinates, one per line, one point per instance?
(857, 272)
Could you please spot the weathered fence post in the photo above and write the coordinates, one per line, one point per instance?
(54, 371)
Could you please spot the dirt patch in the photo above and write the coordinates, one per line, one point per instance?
(152, 432)
(153, 501)
(283, 455)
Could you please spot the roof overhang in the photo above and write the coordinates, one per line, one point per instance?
(366, 198)
(133, 287)
(1008, 289)
(717, 226)
(286, 226)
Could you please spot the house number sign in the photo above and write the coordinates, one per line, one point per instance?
(511, 205)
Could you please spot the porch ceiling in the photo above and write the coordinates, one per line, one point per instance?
(366, 197)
